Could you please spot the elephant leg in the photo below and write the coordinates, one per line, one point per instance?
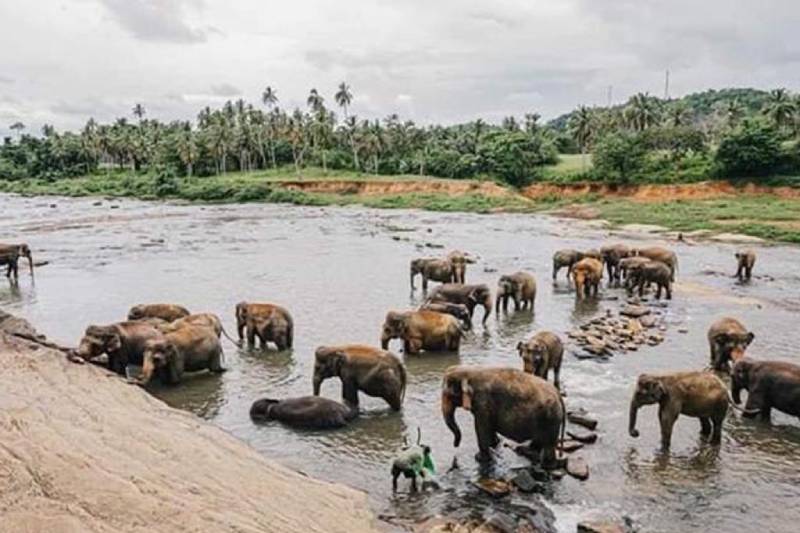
(115, 364)
(658, 291)
(668, 289)
(749, 273)
(414, 483)
(413, 345)
(756, 404)
(486, 435)
(716, 435)
(251, 335)
(557, 378)
(395, 474)
(516, 302)
(350, 392)
(667, 417)
(555, 272)
(215, 364)
(705, 426)
(739, 272)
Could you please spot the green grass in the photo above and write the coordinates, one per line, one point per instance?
(569, 169)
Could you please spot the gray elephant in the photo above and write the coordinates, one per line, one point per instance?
(123, 343)
(541, 353)
(361, 368)
(432, 269)
(460, 260)
(519, 287)
(469, 295)
(657, 253)
(10, 254)
(565, 258)
(612, 254)
(268, 322)
(651, 272)
(769, 384)
(728, 340)
(505, 401)
(189, 348)
(745, 260)
(311, 412)
(422, 330)
(168, 312)
(459, 311)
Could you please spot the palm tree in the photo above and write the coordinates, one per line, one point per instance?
(583, 126)
(677, 115)
(532, 123)
(139, 111)
(642, 111)
(315, 101)
(187, 147)
(17, 127)
(344, 97)
(269, 98)
(732, 112)
(510, 123)
(780, 108)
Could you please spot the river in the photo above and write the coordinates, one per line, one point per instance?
(340, 269)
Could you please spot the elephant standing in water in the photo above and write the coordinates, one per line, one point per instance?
(268, 322)
(168, 312)
(520, 287)
(432, 269)
(728, 340)
(124, 343)
(746, 260)
(541, 353)
(361, 368)
(587, 274)
(469, 295)
(612, 254)
(650, 272)
(657, 253)
(565, 258)
(10, 254)
(189, 348)
(459, 311)
(769, 384)
(517, 405)
(421, 330)
(208, 320)
(311, 412)
(699, 394)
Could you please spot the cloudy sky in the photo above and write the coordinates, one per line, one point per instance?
(62, 61)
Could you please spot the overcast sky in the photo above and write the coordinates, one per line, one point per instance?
(62, 61)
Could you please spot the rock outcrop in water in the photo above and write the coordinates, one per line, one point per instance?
(80, 450)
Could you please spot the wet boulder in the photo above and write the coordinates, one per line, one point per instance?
(634, 311)
(582, 418)
(578, 468)
(601, 526)
(586, 437)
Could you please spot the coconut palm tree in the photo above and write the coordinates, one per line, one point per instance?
(270, 99)
(731, 113)
(780, 108)
(642, 111)
(677, 115)
(344, 97)
(510, 123)
(188, 149)
(582, 125)
(139, 111)
(532, 123)
(17, 127)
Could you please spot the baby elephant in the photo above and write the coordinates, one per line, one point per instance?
(698, 394)
(768, 384)
(541, 353)
(651, 272)
(361, 368)
(460, 311)
(519, 287)
(310, 412)
(746, 259)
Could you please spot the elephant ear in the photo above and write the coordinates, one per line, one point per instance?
(113, 343)
(338, 358)
(466, 395)
(750, 337)
(659, 389)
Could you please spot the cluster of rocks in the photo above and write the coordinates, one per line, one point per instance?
(634, 326)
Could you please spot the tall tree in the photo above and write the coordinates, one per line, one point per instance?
(583, 127)
(17, 127)
(780, 108)
(344, 97)
(270, 99)
(642, 111)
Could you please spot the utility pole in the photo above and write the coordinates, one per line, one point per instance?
(666, 85)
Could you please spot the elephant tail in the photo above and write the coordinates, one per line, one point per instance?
(732, 403)
(563, 422)
(224, 332)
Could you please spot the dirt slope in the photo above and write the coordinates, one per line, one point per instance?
(83, 451)
(387, 187)
(655, 193)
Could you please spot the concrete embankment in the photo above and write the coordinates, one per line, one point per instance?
(81, 450)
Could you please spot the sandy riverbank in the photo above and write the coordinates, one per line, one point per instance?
(80, 450)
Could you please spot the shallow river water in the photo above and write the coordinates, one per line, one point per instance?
(340, 269)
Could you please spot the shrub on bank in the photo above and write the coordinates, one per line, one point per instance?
(754, 149)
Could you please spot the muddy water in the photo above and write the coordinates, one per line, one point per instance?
(340, 269)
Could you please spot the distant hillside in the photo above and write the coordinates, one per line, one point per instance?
(700, 106)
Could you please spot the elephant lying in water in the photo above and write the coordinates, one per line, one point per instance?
(519, 406)
(312, 412)
(189, 348)
(361, 368)
(770, 384)
(124, 343)
(10, 254)
(168, 312)
(699, 394)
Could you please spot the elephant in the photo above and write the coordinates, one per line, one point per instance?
(361, 368)
(168, 312)
(268, 322)
(699, 394)
(460, 260)
(469, 295)
(123, 342)
(208, 320)
(433, 269)
(190, 348)
(459, 311)
(594, 253)
(10, 254)
(745, 259)
(565, 258)
(769, 384)
(540, 353)
(422, 330)
(628, 264)
(651, 272)
(520, 286)
(517, 405)
(657, 253)
(728, 340)
(587, 275)
(612, 254)
(310, 412)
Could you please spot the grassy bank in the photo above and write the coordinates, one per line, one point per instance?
(762, 215)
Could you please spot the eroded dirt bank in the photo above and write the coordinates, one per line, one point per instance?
(655, 193)
(385, 187)
(83, 451)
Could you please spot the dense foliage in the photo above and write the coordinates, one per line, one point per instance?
(725, 133)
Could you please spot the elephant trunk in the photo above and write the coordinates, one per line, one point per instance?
(449, 414)
(317, 385)
(148, 367)
(497, 303)
(632, 419)
(412, 279)
(736, 390)
(30, 262)
(385, 338)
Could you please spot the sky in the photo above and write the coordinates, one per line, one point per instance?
(446, 61)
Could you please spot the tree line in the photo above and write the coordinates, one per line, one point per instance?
(701, 132)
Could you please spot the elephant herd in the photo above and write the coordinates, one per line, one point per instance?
(520, 404)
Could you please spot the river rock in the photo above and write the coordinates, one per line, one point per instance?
(525, 482)
(577, 468)
(497, 488)
(583, 436)
(648, 321)
(581, 418)
(571, 446)
(601, 526)
(634, 311)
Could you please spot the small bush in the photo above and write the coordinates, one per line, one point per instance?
(619, 157)
(754, 149)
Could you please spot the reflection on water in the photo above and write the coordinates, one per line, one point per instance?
(339, 271)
